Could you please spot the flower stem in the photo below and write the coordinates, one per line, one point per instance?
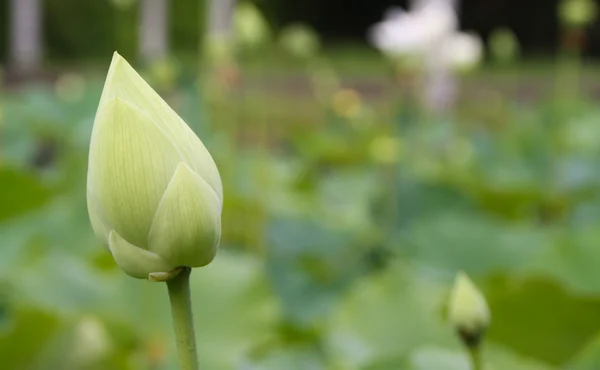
(183, 321)
(475, 355)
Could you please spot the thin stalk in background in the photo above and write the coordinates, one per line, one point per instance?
(183, 320)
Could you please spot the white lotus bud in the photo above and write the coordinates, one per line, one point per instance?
(154, 193)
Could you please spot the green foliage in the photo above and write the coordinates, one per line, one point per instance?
(331, 258)
(21, 192)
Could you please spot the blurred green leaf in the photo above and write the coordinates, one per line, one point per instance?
(573, 260)
(588, 358)
(472, 242)
(390, 314)
(309, 266)
(292, 358)
(21, 192)
(234, 309)
(27, 336)
(537, 317)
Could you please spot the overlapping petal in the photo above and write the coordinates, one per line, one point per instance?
(136, 262)
(125, 83)
(187, 225)
(131, 163)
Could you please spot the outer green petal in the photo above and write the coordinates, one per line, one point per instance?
(134, 261)
(131, 162)
(187, 227)
(125, 83)
(98, 223)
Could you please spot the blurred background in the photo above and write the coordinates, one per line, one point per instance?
(369, 151)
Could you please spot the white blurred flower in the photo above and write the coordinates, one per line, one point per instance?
(403, 33)
(462, 51)
(429, 31)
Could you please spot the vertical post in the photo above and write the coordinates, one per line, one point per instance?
(220, 22)
(219, 32)
(25, 35)
(154, 29)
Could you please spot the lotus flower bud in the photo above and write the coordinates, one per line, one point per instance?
(300, 41)
(577, 13)
(154, 193)
(468, 310)
(504, 45)
(251, 27)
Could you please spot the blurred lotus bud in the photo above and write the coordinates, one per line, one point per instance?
(300, 41)
(324, 80)
(91, 342)
(154, 193)
(504, 45)
(385, 150)
(123, 4)
(468, 311)
(251, 28)
(347, 103)
(156, 352)
(577, 13)
(219, 50)
(462, 51)
(70, 87)
(163, 73)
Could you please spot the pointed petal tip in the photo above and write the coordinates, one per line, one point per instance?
(183, 169)
(186, 229)
(117, 104)
(462, 275)
(112, 237)
(118, 64)
(117, 58)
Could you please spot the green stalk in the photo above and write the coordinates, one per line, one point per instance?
(475, 355)
(183, 321)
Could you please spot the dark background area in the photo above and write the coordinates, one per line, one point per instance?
(534, 21)
(88, 29)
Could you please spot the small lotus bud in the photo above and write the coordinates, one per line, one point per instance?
(251, 28)
(468, 310)
(154, 193)
(504, 45)
(577, 13)
(91, 342)
(300, 41)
